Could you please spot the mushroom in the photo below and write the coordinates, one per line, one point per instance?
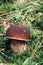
(19, 35)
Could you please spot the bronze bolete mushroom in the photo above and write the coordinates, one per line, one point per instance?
(18, 35)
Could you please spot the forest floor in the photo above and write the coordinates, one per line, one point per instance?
(30, 15)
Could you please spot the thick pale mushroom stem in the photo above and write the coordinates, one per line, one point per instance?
(18, 46)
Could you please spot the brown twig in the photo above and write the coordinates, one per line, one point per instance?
(36, 49)
(3, 14)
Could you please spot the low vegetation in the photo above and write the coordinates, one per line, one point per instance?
(30, 15)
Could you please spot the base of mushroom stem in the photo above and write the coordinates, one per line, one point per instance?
(18, 46)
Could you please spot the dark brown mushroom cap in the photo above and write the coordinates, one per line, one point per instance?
(18, 32)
